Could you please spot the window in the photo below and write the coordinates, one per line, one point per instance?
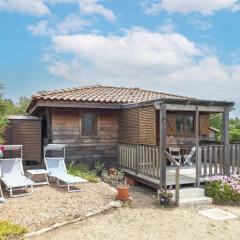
(184, 124)
(89, 124)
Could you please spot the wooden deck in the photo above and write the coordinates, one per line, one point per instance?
(143, 162)
(187, 176)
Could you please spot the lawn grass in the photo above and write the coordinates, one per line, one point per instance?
(82, 170)
(11, 231)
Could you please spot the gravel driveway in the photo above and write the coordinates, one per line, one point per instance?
(51, 204)
(146, 220)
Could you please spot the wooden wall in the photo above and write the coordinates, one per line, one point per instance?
(141, 126)
(137, 126)
(66, 128)
(26, 132)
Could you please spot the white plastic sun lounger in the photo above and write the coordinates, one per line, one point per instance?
(57, 168)
(12, 174)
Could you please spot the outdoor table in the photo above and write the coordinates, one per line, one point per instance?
(35, 172)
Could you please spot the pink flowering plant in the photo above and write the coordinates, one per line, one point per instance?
(224, 189)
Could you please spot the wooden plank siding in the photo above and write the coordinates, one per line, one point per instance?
(66, 129)
(141, 126)
(28, 133)
(137, 126)
(147, 125)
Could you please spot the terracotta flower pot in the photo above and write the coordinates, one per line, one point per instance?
(123, 193)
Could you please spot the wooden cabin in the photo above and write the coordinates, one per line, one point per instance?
(103, 122)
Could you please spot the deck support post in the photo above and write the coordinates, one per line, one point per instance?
(226, 163)
(162, 144)
(198, 163)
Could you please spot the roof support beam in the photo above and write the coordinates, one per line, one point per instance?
(162, 145)
(181, 107)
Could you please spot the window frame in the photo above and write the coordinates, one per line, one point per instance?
(95, 132)
(184, 117)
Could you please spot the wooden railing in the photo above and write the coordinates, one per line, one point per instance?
(212, 160)
(145, 160)
(142, 159)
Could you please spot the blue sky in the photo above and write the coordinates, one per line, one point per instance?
(180, 46)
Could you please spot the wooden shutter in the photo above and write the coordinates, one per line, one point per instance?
(204, 124)
(171, 124)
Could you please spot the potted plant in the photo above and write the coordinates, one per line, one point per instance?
(122, 187)
(99, 165)
(165, 196)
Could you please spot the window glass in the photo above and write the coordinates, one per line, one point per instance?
(179, 124)
(189, 124)
(89, 123)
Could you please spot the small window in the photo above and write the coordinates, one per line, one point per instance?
(89, 124)
(184, 124)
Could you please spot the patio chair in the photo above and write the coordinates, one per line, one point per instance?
(12, 175)
(187, 158)
(57, 169)
(175, 153)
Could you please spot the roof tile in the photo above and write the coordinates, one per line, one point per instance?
(109, 94)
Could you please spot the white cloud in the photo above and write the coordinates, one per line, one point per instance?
(71, 24)
(205, 7)
(39, 29)
(31, 7)
(201, 24)
(165, 62)
(167, 26)
(90, 7)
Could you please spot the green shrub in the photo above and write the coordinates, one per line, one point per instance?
(83, 171)
(11, 231)
(223, 191)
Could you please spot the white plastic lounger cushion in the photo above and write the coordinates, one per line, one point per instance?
(64, 177)
(17, 181)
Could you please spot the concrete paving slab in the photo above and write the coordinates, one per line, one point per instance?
(217, 214)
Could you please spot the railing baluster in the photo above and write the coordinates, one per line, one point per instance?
(205, 161)
(233, 150)
(221, 159)
(238, 159)
(215, 159)
(210, 160)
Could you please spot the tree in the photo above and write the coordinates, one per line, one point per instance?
(216, 121)
(3, 118)
(18, 108)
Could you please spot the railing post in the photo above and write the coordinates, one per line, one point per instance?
(226, 163)
(198, 164)
(162, 145)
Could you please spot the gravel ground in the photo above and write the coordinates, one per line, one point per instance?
(51, 204)
(146, 220)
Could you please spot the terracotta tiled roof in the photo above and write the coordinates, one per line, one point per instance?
(106, 94)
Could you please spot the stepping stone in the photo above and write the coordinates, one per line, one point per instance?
(217, 214)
